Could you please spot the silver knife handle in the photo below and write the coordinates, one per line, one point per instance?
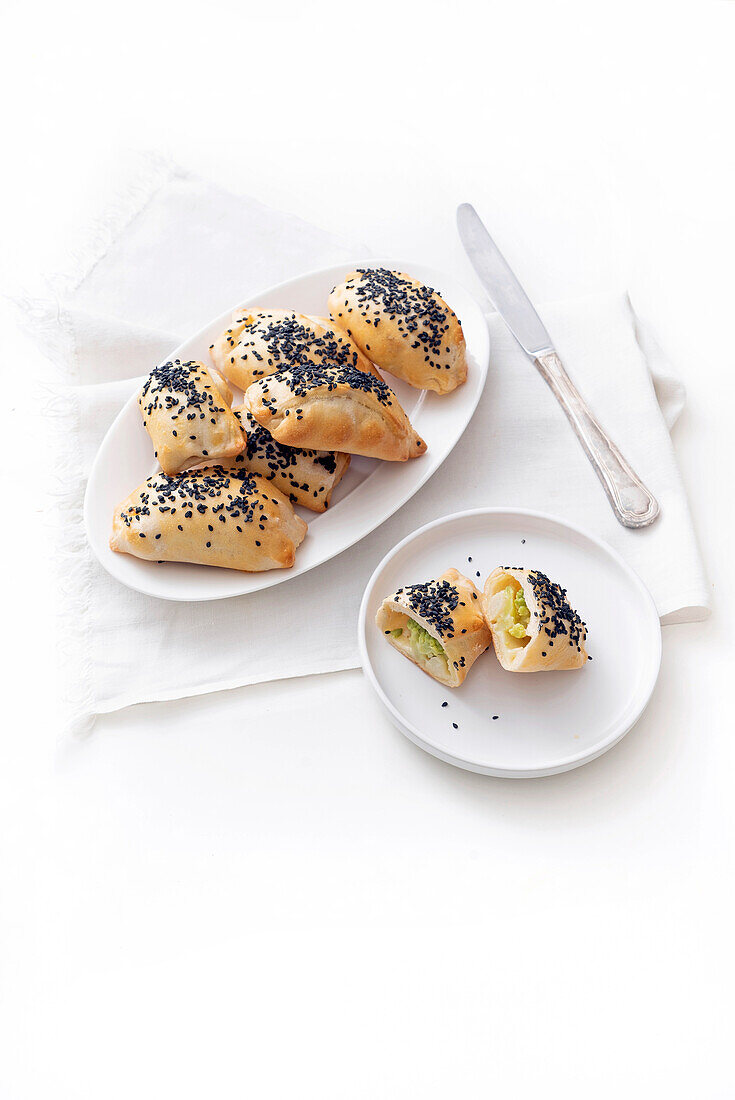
(632, 502)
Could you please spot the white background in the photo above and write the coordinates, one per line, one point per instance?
(269, 892)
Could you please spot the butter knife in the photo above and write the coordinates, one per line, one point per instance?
(633, 504)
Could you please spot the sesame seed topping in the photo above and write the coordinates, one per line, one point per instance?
(434, 601)
(302, 378)
(557, 618)
(421, 316)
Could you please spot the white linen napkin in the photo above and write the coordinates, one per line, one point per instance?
(177, 251)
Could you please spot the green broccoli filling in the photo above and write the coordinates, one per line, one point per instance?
(514, 615)
(422, 644)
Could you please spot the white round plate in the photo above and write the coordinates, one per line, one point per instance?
(370, 492)
(546, 722)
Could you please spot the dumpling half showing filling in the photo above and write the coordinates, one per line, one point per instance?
(438, 625)
(513, 615)
(533, 627)
(416, 643)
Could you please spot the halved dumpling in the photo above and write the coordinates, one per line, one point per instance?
(438, 625)
(533, 627)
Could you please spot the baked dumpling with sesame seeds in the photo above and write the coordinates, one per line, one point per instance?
(260, 342)
(438, 625)
(533, 627)
(306, 477)
(331, 407)
(403, 326)
(209, 518)
(186, 412)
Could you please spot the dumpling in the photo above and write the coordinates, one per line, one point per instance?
(403, 326)
(209, 518)
(306, 477)
(438, 625)
(260, 342)
(533, 627)
(334, 408)
(185, 410)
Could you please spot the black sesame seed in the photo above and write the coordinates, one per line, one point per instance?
(434, 601)
(557, 618)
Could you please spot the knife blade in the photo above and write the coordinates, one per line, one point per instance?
(634, 505)
(501, 285)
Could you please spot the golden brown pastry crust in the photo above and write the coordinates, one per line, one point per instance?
(556, 634)
(209, 518)
(334, 408)
(403, 326)
(306, 477)
(449, 609)
(347, 350)
(185, 410)
(221, 384)
(260, 342)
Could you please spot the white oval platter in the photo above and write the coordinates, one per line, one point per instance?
(370, 492)
(544, 722)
